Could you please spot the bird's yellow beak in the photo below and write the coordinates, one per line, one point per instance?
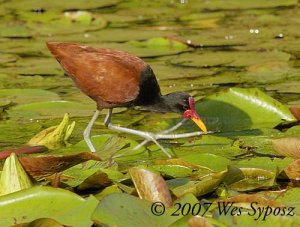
(191, 113)
(200, 124)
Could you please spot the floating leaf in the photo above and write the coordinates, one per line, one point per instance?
(254, 179)
(22, 150)
(46, 222)
(13, 177)
(59, 5)
(130, 210)
(6, 58)
(198, 188)
(173, 170)
(40, 167)
(108, 191)
(21, 96)
(46, 202)
(288, 86)
(233, 59)
(50, 109)
(210, 161)
(289, 146)
(240, 108)
(150, 186)
(292, 171)
(296, 112)
(199, 221)
(254, 198)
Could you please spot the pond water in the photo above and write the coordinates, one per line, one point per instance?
(239, 59)
(200, 47)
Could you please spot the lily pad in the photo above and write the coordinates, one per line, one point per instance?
(53, 109)
(6, 58)
(21, 96)
(46, 202)
(153, 48)
(214, 162)
(240, 108)
(233, 59)
(254, 179)
(130, 210)
(58, 5)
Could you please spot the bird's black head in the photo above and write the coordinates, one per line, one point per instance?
(180, 102)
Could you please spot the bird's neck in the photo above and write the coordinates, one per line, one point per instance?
(164, 104)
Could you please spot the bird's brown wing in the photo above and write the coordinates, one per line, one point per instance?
(105, 75)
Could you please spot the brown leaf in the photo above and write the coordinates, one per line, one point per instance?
(150, 186)
(40, 167)
(292, 171)
(289, 146)
(22, 150)
(296, 112)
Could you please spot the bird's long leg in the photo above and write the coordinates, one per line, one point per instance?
(167, 131)
(146, 135)
(173, 128)
(87, 131)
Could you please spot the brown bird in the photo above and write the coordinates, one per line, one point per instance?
(118, 79)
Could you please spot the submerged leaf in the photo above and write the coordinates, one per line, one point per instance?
(13, 176)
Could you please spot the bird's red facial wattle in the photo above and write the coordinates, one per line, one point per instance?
(191, 113)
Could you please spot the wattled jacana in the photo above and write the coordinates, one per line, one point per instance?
(118, 79)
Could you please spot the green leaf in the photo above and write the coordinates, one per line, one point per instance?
(254, 179)
(21, 96)
(211, 161)
(61, 205)
(240, 108)
(59, 5)
(130, 210)
(233, 59)
(207, 184)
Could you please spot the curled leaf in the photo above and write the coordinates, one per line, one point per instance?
(150, 186)
(55, 136)
(13, 176)
(289, 146)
